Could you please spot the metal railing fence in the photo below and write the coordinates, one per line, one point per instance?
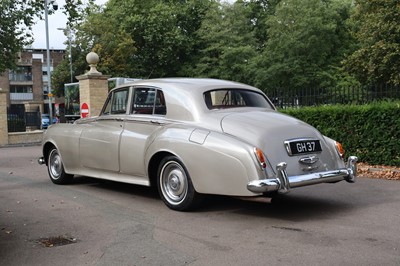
(285, 98)
(18, 121)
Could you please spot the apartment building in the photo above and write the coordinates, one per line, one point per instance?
(27, 85)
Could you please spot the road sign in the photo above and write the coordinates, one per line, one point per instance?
(84, 110)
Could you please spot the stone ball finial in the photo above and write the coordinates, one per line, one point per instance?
(92, 58)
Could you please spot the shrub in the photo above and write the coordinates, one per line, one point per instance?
(371, 132)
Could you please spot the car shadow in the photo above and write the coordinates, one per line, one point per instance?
(287, 207)
(293, 207)
(125, 188)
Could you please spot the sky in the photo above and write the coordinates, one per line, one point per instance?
(57, 38)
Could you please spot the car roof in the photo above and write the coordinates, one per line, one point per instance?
(184, 96)
(202, 84)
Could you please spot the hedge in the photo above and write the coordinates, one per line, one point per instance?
(371, 132)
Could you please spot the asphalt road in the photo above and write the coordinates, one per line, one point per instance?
(92, 222)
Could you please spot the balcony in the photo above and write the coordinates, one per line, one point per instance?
(21, 96)
(20, 77)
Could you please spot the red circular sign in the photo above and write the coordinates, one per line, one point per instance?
(84, 110)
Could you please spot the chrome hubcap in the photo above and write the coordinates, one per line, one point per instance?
(173, 182)
(55, 164)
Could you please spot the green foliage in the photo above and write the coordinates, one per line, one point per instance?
(228, 44)
(59, 77)
(76, 11)
(267, 43)
(16, 20)
(250, 41)
(258, 12)
(371, 132)
(230, 38)
(307, 41)
(143, 39)
(377, 29)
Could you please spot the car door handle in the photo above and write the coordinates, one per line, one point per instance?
(157, 122)
(119, 119)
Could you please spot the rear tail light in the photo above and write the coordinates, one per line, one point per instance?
(260, 158)
(340, 149)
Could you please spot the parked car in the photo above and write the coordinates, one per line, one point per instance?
(46, 121)
(192, 137)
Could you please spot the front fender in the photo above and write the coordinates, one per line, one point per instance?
(65, 137)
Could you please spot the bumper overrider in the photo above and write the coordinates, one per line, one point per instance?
(283, 183)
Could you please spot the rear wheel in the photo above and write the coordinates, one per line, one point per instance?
(175, 186)
(55, 168)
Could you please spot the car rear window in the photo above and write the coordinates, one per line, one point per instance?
(233, 98)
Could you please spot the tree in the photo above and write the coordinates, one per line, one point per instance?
(258, 14)
(143, 38)
(17, 18)
(76, 12)
(377, 29)
(227, 43)
(307, 41)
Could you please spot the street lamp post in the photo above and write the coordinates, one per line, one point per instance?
(46, 15)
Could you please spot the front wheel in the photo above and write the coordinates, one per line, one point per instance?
(56, 170)
(175, 186)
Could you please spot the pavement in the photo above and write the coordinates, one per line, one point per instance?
(93, 222)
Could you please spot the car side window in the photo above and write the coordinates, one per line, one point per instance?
(116, 102)
(148, 101)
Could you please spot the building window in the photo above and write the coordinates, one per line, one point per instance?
(20, 89)
(22, 73)
(21, 93)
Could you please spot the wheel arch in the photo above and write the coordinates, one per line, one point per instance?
(153, 165)
(46, 150)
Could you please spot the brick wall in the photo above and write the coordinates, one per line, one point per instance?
(5, 85)
(3, 118)
(93, 90)
(25, 137)
(37, 79)
(4, 82)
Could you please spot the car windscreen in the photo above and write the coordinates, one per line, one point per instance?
(233, 98)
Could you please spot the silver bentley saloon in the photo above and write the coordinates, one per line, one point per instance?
(192, 137)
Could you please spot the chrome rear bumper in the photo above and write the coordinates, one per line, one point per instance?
(283, 183)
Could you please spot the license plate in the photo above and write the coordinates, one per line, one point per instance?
(302, 146)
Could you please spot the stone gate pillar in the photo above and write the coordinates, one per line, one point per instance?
(93, 88)
(3, 118)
